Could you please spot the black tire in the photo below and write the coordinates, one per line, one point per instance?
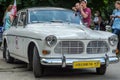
(6, 55)
(4, 49)
(37, 67)
(29, 66)
(101, 70)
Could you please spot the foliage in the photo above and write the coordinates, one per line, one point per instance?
(105, 6)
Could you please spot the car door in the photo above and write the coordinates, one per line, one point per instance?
(19, 38)
(11, 36)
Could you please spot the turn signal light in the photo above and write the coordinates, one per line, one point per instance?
(117, 51)
(45, 52)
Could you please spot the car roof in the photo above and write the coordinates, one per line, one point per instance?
(43, 8)
(47, 8)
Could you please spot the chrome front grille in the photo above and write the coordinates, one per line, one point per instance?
(97, 47)
(69, 47)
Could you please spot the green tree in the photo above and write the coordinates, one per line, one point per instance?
(105, 6)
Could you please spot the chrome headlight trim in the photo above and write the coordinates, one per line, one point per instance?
(51, 40)
(113, 40)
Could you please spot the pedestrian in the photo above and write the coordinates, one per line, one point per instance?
(84, 12)
(116, 23)
(8, 18)
(76, 7)
(97, 20)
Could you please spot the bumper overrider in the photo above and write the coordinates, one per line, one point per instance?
(63, 62)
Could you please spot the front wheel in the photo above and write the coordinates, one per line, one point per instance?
(101, 70)
(37, 67)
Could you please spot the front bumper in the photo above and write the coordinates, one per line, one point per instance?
(69, 61)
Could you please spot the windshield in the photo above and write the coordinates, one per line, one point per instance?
(59, 16)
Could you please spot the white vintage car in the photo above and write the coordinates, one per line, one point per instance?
(55, 37)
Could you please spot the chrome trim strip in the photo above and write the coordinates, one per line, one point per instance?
(23, 36)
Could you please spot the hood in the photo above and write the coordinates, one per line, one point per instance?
(67, 31)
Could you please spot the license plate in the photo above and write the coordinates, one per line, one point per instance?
(86, 64)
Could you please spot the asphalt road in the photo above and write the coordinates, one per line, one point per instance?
(18, 71)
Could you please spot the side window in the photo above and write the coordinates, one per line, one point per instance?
(15, 21)
(22, 19)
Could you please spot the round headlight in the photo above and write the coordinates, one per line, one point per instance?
(113, 40)
(51, 40)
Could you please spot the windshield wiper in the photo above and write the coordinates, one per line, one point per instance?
(57, 21)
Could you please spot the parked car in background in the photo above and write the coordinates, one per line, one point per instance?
(54, 37)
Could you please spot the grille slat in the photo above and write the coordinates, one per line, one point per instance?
(69, 47)
(97, 47)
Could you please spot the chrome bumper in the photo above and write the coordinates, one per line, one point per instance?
(69, 62)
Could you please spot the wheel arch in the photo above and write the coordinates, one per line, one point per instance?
(30, 50)
(4, 42)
